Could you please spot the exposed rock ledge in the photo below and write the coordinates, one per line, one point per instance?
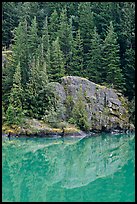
(106, 108)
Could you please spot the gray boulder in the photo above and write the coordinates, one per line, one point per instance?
(105, 107)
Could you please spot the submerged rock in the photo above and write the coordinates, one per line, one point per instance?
(106, 108)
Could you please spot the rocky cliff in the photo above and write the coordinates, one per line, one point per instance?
(105, 108)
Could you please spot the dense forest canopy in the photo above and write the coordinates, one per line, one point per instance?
(95, 40)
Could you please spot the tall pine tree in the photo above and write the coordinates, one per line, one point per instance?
(86, 25)
(20, 50)
(53, 26)
(14, 112)
(33, 40)
(65, 38)
(94, 62)
(56, 70)
(112, 73)
(76, 67)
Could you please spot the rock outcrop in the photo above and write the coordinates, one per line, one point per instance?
(106, 108)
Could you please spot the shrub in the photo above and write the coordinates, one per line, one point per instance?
(80, 116)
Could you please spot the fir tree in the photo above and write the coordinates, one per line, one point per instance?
(45, 37)
(16, 95)
(86, 25)
(56, 70)
(33, 40)
(53, 26)
(20, 50)
(129, 72)
(111, 72)
(94, 62)
(65, 38)
(76, 67)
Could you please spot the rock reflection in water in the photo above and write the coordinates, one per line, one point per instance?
(32, 168)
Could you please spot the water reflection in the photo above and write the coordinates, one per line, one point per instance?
(41, 169)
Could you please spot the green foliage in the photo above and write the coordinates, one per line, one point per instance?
(111, 59)
(56, 70)
(3, 114)
(14, 113)
(79, 115)
(20, 50)
(76, 66)
(86, 25)
(94, 62)
(33, 39)
(65, 38)
(53, 26)
(10, 19)
(50, 40)
(132, 110)
(53, 115)
(45, 38)
(129, 72)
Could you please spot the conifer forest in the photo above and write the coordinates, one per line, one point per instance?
(44, 41)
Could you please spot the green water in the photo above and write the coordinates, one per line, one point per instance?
(93, 169)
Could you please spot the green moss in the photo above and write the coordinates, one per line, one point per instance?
(106, 111)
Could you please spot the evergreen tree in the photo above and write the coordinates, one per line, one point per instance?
(102, 16)
(65, 38)
(17, 91)
(86, 26)
(45, 37)
(129, 72)
(42, 65)
(10, 19)
(53, 26)
(128, 58)
(56, 70)
(8, 70)
(20, 50)
(35, 88)
(94, 63)
(33, 39)
(45, 46)
(111, 72)
(76, 67)
(16, 95)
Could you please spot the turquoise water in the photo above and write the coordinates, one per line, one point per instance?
(93, 169)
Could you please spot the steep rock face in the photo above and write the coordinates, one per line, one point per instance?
(106, 108)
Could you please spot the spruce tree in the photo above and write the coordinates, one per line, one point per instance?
(53, 26)
(45, 37)
(20, 51)
(35, 88)
(65, 38)
(129, 72)
(128, 59)
(76, 67)
(15, 101)
(56, 70)
(33, 40)
(94, 62)
(86, 25)
(111, 73)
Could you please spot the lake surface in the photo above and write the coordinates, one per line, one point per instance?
(92, 169)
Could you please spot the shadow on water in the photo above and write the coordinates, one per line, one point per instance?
(68, 169)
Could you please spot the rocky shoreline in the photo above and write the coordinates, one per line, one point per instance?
(82, 107)
(60, 134)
